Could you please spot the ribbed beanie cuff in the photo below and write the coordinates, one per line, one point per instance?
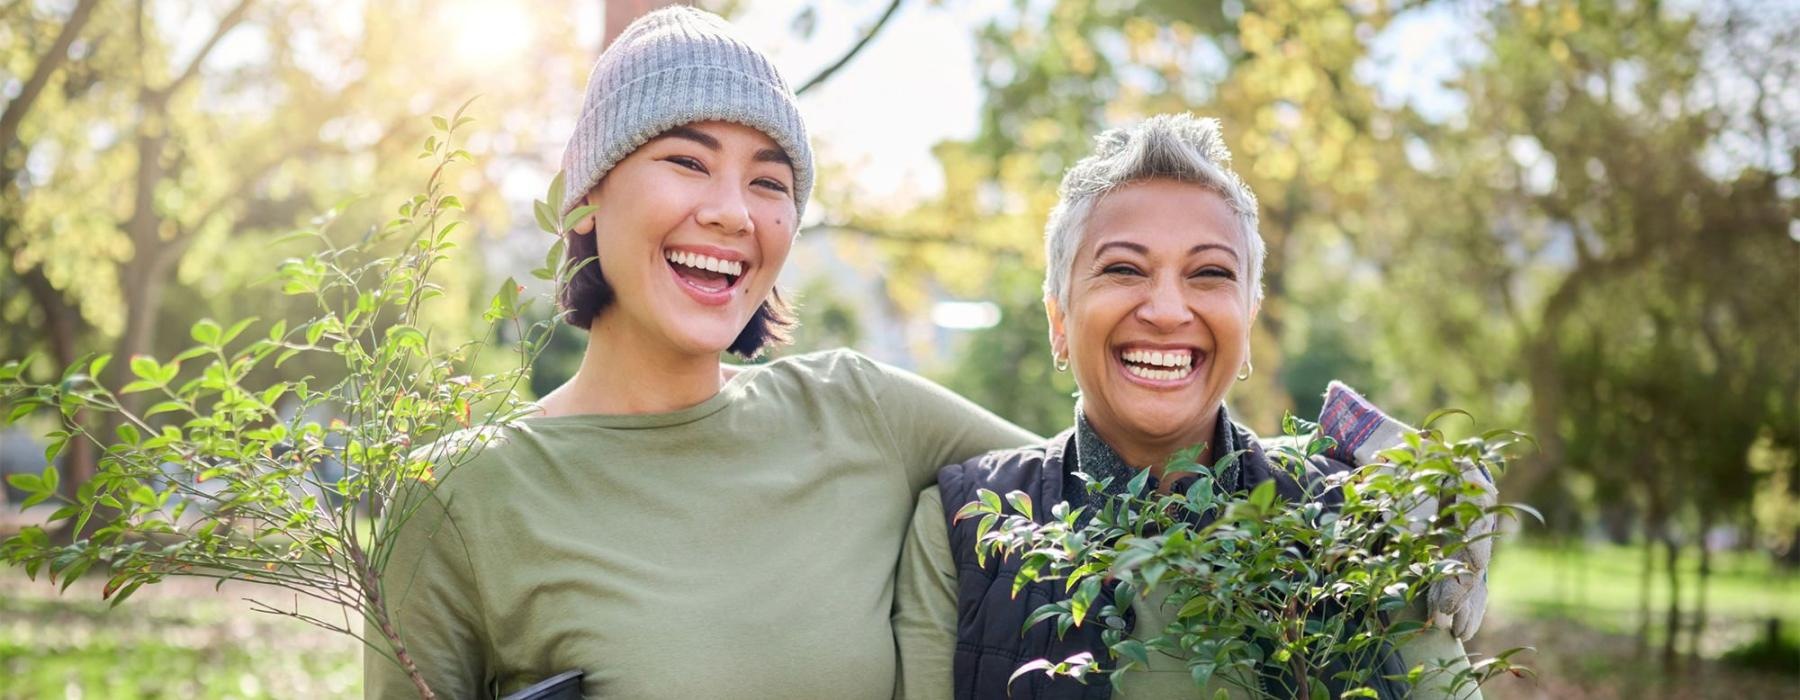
(679, 65)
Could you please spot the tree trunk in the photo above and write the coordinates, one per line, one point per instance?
(1644, 578)
(1697, 631)
(620, 13)
(1672, 624)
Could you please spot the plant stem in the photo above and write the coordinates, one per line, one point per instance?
(372, 591)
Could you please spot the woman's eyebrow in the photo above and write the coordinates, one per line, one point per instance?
(1128, 245)
(766, 155)
(1214, 246)
(691, 134)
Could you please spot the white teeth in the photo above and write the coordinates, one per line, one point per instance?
(1178, 359)
(1160, 375)
(704, 262)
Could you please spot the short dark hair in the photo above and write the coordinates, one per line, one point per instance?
(587, 293)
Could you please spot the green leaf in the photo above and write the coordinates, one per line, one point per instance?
(192, 353)
(165, 407)
(449, 201)
(236, 328)
(1202, 672)
(576, 215)
(441, 123)
(1263, 496)
(99, 365)
(145, 367)
(406, 336)
(29, 483)
(1134, 650)
(139, 385)
(128, 433)
(546, 220)
(1020, 501)
(1442, 413)
(1136, 486)
(126, 592)
(553, 197)
(205, 331)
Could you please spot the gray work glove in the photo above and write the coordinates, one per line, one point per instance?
(1362, 431)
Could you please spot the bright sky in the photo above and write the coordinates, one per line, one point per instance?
(914, 86)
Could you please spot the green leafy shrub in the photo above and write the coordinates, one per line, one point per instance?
(1266, 593)
(211, 481)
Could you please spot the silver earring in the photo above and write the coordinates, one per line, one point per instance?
(1062, 364)
(1248, 370)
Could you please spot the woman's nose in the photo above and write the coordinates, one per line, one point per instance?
(1165, 308)
(726, 210)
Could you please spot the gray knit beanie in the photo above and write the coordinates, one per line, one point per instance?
(679, 65)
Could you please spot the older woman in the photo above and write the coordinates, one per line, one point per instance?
(1152, 285)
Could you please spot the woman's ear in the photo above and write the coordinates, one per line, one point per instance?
(1059, 340)
(586, 224)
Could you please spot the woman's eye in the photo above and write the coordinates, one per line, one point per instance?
(1215, 272)
(773, 185)
(1120, 270)
(687, 162)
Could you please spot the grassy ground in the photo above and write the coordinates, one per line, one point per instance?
(1600, 587)
(181, 639)
(178, 639)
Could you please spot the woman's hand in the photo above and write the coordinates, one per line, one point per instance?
(1362, 431)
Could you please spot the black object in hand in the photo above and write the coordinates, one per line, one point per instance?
(562, 686)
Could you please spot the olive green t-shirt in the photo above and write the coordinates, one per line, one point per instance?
(925, 627)
(744, 547)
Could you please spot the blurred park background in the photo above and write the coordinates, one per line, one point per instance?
(1575, 218)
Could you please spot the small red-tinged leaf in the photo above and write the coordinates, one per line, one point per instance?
(144, 367)
(126, 592)
(1020, 501)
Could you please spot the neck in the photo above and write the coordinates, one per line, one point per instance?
(620, 375)
(1153, 453)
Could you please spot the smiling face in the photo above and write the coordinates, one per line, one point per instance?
(691, 231)
(1158, 318)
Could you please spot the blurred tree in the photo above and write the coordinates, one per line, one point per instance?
(162, 144)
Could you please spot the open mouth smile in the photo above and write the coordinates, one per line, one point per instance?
(1161, 366)
(710, 279)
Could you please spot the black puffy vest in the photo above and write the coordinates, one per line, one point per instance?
(991, 641)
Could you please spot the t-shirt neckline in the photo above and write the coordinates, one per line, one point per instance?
(733, 388)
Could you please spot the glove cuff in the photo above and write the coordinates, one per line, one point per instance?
(1360, 429)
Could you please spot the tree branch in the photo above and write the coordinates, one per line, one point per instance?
(913, 238)
(40, 76)
(823, 75)
(231, 20)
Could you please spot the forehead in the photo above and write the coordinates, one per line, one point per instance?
(1162, 216)
(722, 133)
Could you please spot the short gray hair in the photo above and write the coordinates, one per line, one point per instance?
(1179, 147)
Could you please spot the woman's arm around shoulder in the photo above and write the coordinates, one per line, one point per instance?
(931, 426)
(924, 614)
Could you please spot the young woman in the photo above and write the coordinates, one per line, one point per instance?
(673, 526)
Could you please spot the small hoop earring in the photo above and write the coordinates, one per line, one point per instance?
(1062, 364)
(1249, 369)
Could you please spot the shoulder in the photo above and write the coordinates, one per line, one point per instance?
(824, 364)
(472, 459)
(827, 370)
(1005, 470)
